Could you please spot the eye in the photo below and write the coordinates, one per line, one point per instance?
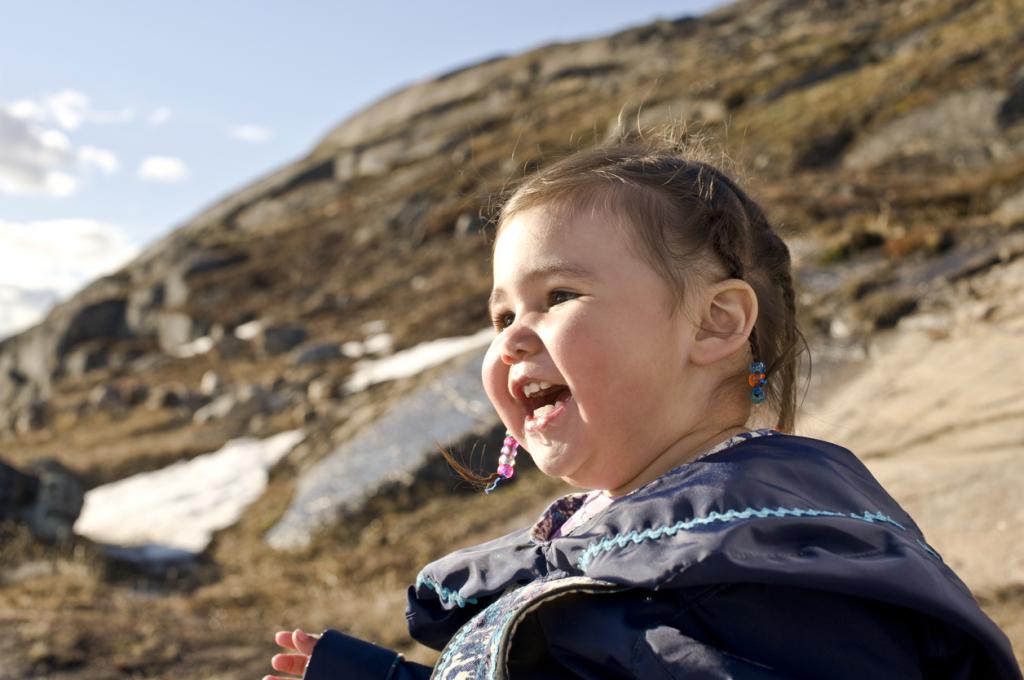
(556, 297)
(502, 320)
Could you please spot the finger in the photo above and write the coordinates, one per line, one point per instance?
(303, 641)
(284, 639)
(289, 663)
(277, 677)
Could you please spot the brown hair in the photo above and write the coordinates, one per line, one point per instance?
(687, 214)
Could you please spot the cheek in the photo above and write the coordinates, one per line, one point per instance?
(494, 375)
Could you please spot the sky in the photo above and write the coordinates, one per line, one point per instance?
(120, 120)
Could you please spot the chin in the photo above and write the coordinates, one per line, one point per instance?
(553, 463)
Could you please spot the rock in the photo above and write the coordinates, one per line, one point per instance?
(468, 223)
(174, 329)
(379, 344)
(228, 347)
(951, 133)
(163, 397)
(136, 394)
(241, 405)
(104, 319)
(105, 398)
(57, 503)
(321, 390)
(31, 419)
(394, 447)
(249, 330)
(178, 281)
(84, 359)
(143, 307)
(274, 212)
(316, 354)
(210, 383)
(1011, 209)
(1012, 110)
(304, 413)
(280, 338)
(353, 349)
(324, 302)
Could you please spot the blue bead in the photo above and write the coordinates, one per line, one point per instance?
(757, 395)
(757, 367)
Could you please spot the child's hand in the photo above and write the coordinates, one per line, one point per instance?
(295, 664)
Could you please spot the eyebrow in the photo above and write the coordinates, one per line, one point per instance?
(544, 270)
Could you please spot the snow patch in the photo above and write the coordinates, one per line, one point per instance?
(179, 507)
(415, 360)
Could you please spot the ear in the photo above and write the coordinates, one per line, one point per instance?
(728, 310)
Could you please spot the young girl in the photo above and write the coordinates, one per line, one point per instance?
(645, 318)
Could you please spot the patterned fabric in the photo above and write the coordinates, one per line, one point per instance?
(595, 502)
(556, 515)
(480, 648)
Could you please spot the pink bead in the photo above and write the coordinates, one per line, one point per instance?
(509, 441)
(505, 471)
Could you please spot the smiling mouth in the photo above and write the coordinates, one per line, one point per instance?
(545, 401)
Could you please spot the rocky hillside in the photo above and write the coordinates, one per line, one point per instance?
(885, 137)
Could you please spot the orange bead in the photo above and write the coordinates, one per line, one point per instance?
(753, 380)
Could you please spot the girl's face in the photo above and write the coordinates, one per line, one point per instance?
(583, 318)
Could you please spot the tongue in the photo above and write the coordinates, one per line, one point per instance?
(543, 410)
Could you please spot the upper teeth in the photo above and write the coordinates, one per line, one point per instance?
(533, 388)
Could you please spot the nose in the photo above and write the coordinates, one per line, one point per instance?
(518, 342)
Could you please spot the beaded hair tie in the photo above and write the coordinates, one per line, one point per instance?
(506, 461)
(757, 380)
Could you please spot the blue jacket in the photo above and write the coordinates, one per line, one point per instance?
(779, 557)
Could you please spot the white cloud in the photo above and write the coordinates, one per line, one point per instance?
(68, 109)
(250, 133)
(159, 116)
(25, 109)
(103, 160)
(21, 308)
(163, 169)
(46, 260)
(60, 184)
(32, 160)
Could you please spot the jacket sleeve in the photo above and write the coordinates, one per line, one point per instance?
(338, 656)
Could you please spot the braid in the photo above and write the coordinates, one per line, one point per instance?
(745, 242)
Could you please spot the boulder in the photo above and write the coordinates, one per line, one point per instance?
(100, 320)
(174, 329)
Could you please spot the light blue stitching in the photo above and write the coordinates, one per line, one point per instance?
(931, 551)
(446, 595)
(654, 534)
